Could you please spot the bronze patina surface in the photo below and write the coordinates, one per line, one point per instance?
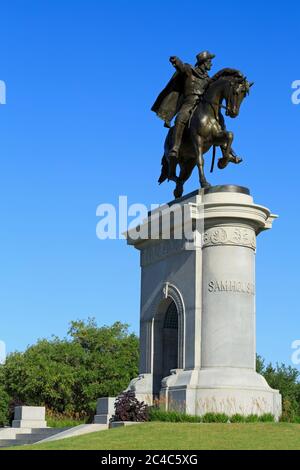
(196, 101)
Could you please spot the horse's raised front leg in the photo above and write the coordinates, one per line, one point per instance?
(224, 139)
(233, 157)
(198, 146)
(230, 137)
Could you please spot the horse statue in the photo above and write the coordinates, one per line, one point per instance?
(206, 129)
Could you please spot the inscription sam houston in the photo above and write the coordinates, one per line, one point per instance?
(240, 287)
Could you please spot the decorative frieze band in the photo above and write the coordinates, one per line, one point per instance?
(213, 237)
(161, 250)
(230, 236)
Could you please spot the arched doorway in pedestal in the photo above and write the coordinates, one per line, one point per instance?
(166, 352)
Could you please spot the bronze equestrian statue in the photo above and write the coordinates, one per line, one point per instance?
(196, 100)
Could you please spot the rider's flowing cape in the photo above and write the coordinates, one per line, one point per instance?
(168, 101)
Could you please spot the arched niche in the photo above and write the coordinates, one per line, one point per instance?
(167, 336)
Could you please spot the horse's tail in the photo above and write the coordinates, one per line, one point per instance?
(164, 162)
(164, 170)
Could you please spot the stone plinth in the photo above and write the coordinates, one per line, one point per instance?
(29, 417)
(197, 325)
(105, 410)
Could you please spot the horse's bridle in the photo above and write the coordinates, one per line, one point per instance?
(221, 106)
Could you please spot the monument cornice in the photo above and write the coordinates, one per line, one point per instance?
(255, 216)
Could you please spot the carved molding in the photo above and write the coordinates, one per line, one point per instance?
(238, 236)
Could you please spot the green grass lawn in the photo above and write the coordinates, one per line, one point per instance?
(184, 436)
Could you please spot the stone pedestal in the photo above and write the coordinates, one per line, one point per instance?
(197, 330)
(29, 417)
(105, 410)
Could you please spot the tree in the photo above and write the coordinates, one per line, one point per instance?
(68, 375)
(286, 380)
(4, 401)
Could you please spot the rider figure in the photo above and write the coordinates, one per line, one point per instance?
(195, 84)
(182, 94)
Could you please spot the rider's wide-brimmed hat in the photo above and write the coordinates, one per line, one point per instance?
(203, 56)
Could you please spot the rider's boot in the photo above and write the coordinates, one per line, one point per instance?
(172, 160)
(177, 138)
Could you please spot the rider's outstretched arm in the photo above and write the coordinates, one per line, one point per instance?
(178, 64)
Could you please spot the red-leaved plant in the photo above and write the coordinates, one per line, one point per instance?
(128, 408)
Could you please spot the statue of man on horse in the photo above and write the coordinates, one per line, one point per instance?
(182, 93)
(199, 123)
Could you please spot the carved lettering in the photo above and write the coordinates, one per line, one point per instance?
(240, 287)
(211, 286)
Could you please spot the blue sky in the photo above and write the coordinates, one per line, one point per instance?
(77, 131)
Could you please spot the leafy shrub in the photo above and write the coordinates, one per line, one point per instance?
(155, 414)
(64, 423)
(252, 419)
(63, 420)
(215, 418)
(237, 419)
(266, 418)
(289, 410)
(128, 408)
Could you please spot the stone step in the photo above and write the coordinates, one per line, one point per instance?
(38, 436)
(35, 435)
(32, 437)
(48, 431)
(10, 433)
(9, 442)
(29, 438)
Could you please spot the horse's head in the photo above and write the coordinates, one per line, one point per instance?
(238, 88)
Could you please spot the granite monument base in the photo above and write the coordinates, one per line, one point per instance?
(198, 316)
